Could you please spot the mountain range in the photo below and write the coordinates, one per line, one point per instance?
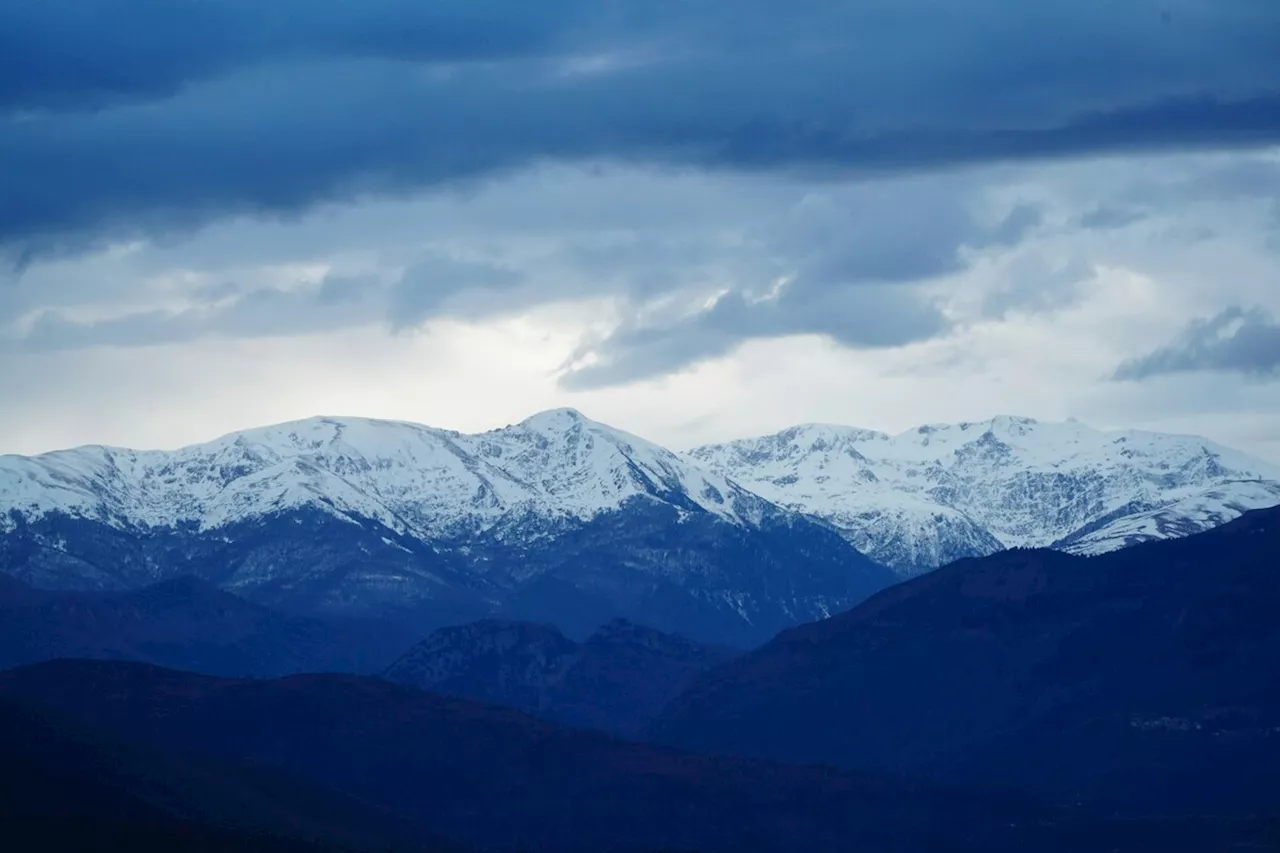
(934, 494)
(1027, 700)
(563, 520)
(557, 519)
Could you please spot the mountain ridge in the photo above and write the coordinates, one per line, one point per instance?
(1141, 680)
(926, 496)
(498, 779)
(188, 624)
(562, 519)
(68, 784)
(354, 460)
(616, 680)
(557, 518)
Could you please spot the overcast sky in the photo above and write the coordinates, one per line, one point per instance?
(693, 219)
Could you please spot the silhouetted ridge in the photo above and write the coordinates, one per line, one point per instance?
(64, 781)
(502, 780)
(1141, 680)
(616, 680)
(189, 623)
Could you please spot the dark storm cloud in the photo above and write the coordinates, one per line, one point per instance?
(221, 107)
(99, 52)
(1236, 340)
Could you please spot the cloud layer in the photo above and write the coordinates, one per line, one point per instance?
(687, 306)
(667, 212)
(175, 114)
(688, 267)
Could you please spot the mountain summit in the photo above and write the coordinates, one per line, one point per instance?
(937, 493)
(558, 518)
(414, 479)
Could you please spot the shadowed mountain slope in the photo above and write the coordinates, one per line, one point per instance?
(186, 624)
(65, 782)
(1146, 680)
(497, 778)
(617, 680)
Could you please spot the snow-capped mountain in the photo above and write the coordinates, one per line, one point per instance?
(564, 520)
(936, 493)
(412, 478)
(557, 516)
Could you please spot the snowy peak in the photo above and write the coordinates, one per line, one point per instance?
(1004, 425)
(819, 436)
(586, 463)
(943, 491)
(556, 519)
(912, 501)
(411, 478)
(557, 420)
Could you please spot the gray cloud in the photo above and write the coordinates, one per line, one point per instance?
(434, 285)
(1235, 340)
(173, 114)
(846, 266)
(999, 248)
(785, 258)
(1214, 179)
(337, 303)
(1014, 228)
(1246, 178)
(864, 263)
(1106, 218)
(438, 282)
(872, 316)
(548, 235)
(1032, 285)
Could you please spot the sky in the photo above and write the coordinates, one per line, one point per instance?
(693, 219)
